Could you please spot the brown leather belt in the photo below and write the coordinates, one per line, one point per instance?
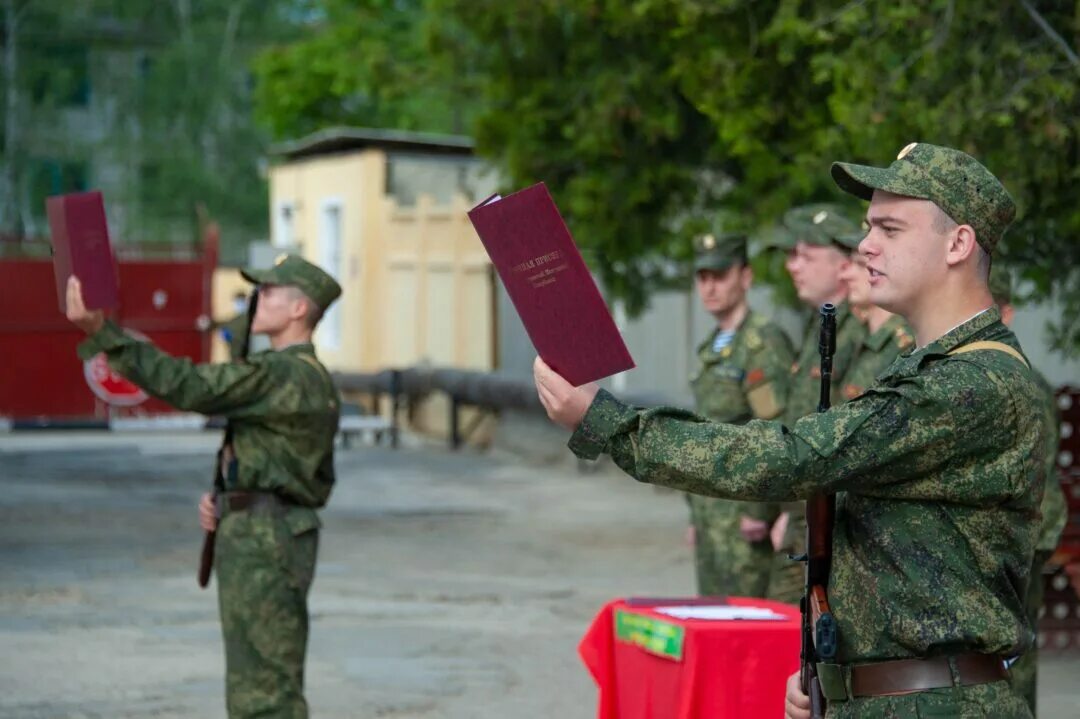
(903, 676)
(243, 501)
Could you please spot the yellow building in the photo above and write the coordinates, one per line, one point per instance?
(385, 213)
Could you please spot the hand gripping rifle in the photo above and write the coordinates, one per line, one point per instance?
(818, 624)
(226, 459)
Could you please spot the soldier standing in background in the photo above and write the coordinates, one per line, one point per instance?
(887, 335)
(825, 239)
(1024, 671)
(283, 409)
(742, 375)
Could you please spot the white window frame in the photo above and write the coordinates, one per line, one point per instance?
(330, 329)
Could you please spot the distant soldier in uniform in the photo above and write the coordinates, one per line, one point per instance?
(1024, 672)
(822, 252)
(284, 409)
(937, 485)
(887, 335)
(743, 373)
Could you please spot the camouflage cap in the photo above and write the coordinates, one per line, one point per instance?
(775, 237)
(824, 225)
(953, 180)
(718, 251)
(298, 272)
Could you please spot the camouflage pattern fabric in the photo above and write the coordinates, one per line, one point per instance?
(745, 380)
(786, 580)
(953, 180)
(295, 271)
(981, 701)
(879, 349)
(265, 565)
(284, 410)
(937, 491)
(1024, 672)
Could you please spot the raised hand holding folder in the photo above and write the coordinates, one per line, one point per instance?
(551, 288)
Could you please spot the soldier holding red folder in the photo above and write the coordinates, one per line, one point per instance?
(938, 466)
(283, 409)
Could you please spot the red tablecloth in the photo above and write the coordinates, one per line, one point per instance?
(733, 669)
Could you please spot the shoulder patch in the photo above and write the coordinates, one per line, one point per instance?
(754, 376)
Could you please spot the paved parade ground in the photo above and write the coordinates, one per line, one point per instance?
(450, 585)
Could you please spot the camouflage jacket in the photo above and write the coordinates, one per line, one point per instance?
(745, 380)
(938, 490)
(805, 388)
(282, 405)
(874, 355)
(1053, 508)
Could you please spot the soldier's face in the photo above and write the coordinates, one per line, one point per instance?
(278, 306)
(905, 253)
(856, 278)
(722, 290)
(815, 271)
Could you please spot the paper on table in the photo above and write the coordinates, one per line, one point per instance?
(721, 612)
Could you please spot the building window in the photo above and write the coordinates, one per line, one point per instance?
(284, 235)
(331, 258)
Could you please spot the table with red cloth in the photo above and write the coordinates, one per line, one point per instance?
(655, 666)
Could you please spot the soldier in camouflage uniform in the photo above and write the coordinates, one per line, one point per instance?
(887, 335)
(283, 409)
(937, 485)
(742, 376)
(1024, 672)
(825, 240)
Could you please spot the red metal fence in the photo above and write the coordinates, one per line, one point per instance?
(42, 378)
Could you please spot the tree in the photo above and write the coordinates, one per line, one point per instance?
(360, 63)
(150, 102)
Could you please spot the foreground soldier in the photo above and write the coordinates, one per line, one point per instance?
(938, 484)
(284, 411)
(743, 375)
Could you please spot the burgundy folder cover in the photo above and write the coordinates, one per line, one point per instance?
(80, 241)
(551, 288)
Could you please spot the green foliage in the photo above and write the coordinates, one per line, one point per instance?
(360, 63)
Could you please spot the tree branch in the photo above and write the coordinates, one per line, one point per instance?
(1057, 39)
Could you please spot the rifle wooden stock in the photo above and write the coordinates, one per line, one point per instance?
(206, 559)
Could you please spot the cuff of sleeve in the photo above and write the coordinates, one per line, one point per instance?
(606, 414)
(108, 337)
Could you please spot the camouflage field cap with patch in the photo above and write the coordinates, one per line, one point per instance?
(953, 180)
(718, 251)
(775, 237)
(298, 272)
(823, 224)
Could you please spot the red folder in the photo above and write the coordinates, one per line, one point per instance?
(80, 242)
(551, 288)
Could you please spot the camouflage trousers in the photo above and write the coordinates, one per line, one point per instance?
(996, 700)
(1023, 674)
(787, 578)
(726, 563)
(265, 564)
